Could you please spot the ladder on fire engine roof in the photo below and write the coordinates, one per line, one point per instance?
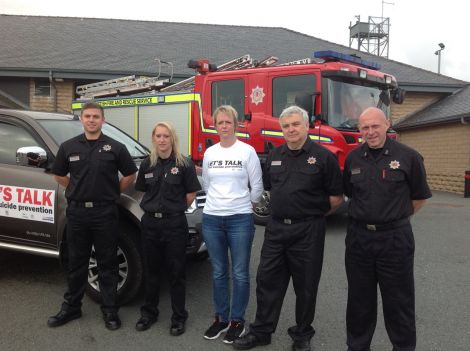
(125, 85)
(242, 62)
(132, 84)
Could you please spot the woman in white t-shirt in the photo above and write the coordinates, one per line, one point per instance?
(232, 180)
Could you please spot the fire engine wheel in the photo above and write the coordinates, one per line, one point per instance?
(263, 210)
(130, 268)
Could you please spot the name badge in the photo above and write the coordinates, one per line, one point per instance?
(355, 171)
(74, 158)
(148, 175)
(276, 163)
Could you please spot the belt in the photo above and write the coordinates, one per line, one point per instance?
(383, 226)
(91, 204)
(294, 220)
(164, 215)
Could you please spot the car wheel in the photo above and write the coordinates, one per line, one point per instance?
(130, 268)
(262, 210)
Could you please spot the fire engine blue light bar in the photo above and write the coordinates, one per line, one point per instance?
(330, 55)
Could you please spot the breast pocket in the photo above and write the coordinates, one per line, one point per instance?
(394, 181)
(359, 183)
(277, 174)
(173, 187)
(77, 162)
(150, 178)
(306, 177)
(107, 162)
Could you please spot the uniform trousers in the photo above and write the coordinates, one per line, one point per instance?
(164, 243)
(384, 258)
(289, 250)
(87, 227)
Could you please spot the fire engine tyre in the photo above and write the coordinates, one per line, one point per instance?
(130, 268)
(262, 210)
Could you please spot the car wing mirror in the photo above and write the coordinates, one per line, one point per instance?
(31, 156)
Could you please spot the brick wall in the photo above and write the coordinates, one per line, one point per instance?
(65, 95)
(413, 102)
(446, 152)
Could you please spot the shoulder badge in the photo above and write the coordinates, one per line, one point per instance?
(174, 170)
(311, 160)
(394, 164)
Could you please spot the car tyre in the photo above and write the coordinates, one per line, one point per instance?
(262, 210)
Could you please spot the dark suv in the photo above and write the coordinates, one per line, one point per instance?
(32, 204)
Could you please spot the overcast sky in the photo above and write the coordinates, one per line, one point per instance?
(417, 26)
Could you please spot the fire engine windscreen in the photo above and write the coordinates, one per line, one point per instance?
(346, 101)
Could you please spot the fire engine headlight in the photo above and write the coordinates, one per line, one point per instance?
(388, 80)
(362, 74)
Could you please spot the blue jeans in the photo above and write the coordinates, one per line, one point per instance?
(236, 233)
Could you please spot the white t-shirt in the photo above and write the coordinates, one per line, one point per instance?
(226, 173)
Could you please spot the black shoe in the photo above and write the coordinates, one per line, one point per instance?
(63, 317)
(177, 328)
(111, 320)
(301, 345)
(248, 341)
(145, 322)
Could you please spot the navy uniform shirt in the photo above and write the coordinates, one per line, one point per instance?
(166, 185)
(93, 167)
(301, 181)
(381, 188)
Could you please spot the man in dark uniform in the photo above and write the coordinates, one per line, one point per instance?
(305, 183)
(87, 166)
(386, 182)
(170, 184)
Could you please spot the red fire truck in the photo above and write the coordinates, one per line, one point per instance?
(333, 87)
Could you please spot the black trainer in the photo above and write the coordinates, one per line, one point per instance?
(217, 328)
(235, 330)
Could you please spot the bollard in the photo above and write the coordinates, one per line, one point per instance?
(467, 183)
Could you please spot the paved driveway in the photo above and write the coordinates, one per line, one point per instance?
(31, 289)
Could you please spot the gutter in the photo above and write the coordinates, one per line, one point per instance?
(54, 88)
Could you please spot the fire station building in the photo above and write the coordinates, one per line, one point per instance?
(44, 59)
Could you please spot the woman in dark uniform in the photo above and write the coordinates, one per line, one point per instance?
(170, 183)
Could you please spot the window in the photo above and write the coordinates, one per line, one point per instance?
(346, 102)
(42, 87)
(229, 92)
(287, 89)
(11, 139)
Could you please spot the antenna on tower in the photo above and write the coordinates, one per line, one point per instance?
(372, 36)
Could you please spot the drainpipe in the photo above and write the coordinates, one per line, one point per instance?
(54, 90)
(467, 172)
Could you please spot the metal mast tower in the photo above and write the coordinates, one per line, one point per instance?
(372, 36)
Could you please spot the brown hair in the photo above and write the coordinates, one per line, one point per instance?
(92, 105)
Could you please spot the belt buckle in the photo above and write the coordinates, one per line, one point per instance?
(158, 215)
(287, 221)
(371, 227)
(89, 204)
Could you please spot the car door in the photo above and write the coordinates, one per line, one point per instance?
(28, 194)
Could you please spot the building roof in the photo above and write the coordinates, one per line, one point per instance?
(85, 47)
(447, 110)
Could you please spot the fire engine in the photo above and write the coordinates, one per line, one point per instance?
(334, 88)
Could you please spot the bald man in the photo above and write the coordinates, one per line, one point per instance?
(386, 183)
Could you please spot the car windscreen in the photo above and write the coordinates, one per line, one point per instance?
(62, 130)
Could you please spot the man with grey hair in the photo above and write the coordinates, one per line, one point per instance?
(305, 183)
